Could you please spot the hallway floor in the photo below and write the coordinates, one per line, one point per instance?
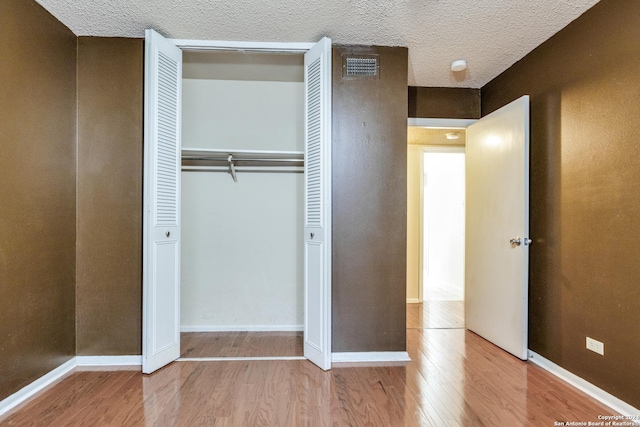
(436, 315)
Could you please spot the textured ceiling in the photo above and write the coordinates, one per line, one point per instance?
(490, 34)
(429, 136)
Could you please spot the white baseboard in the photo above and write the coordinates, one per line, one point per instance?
(38, 385)
(597, 393)
(41, 383)
(245, 328)
(108, 360)
(414, 300)
(370, 356)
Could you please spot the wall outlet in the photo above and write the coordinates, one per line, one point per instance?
(595, 346)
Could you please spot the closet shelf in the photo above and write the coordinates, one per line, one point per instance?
(232, 161)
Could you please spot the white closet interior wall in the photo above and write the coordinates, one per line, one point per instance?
(242, 247)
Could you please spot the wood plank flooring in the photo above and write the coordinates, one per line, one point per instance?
(436, 315)
(240, 344)
(455, 378)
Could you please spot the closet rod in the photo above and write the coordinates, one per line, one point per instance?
(232, 161)
(241, 159)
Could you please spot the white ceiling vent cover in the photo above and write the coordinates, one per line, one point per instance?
(360, 66)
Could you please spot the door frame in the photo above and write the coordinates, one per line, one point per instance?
(432, 124)
(268, 47)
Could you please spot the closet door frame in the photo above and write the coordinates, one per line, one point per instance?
(270, 47)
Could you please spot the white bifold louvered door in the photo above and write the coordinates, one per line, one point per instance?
(317, 218)
(161, 229)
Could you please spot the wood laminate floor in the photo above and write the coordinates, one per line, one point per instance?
(240, 344)
(436, 315)
(455, 378)
(427, 315)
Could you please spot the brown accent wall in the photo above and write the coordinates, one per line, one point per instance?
(444, 102)
(37, 193)
(585, 193)
(369, 204)
(109, 224)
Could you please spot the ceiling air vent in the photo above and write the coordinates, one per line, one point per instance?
(360, 66)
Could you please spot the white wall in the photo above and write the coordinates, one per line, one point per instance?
(252, 115)
(444, 218)
(242, 246)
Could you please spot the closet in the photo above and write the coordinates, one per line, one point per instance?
(251, 248)
(242, 192)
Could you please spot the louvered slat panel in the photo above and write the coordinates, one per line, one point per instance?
(313, 159)
(166, 170)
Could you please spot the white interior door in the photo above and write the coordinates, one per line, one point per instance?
(496, 269)
(317, 213)
(161, 240)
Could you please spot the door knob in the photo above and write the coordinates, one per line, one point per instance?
(528, 242)
(515, 242)
(168, 233)
(311, 235)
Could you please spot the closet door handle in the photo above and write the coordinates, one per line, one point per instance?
(311, 235)
(168, 233)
